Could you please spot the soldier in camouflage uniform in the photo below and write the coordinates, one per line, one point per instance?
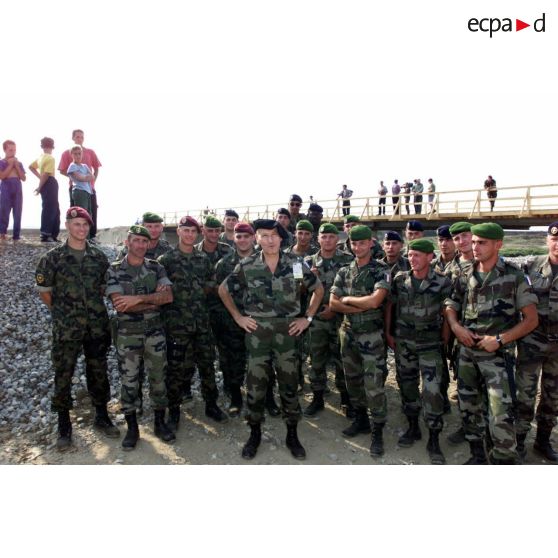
(271, 282)
(157, 245)
(447, 249)
(324, 333)
(350, 221)
(393, 246)
(284, 218)
(484, 314)
(232, 347)
(187, 324)
(537, 354)
(295, 203)
(359, 292)
(417, 297)
(138, 287)
(70, 280)
(230, 221)
(305, 244)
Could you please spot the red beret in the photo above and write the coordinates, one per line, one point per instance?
(76, 212)
(188, 221)
(243, 228)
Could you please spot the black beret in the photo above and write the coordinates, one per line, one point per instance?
(295, 197)
(443, 231)
(414, 225)
(393, 235)
(315, 207)
(231, 213)
(284, 211)
(270, 224)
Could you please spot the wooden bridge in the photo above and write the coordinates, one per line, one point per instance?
(516, 207)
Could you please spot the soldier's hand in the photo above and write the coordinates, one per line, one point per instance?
(162, 288)
(298, 326)
(327, 314)
(488, 343)
(123, 303)
(465, 336)
(247, 323)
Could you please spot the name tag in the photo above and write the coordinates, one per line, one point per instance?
(297, 271)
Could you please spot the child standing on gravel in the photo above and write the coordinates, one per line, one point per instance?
(81, 177)
(12, 174)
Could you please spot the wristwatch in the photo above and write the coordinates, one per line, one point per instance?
(500, 341)
(309, 319)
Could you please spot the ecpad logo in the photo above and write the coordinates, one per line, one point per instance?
(493, 25)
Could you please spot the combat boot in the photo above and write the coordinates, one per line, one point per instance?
(213, 411)
(64, 440)
(162, 431)
(293, 443)
(478, 455)
(316, 405)
(377, 445)
(457, 438)
(360, 424)
(350, 411)
(132, 436)
(412, 434)
(520, 441)
(174, 418)
(543, 446)
(270, 404)
(433, 448)
(236, 401)
(251, 446)
(103, 422)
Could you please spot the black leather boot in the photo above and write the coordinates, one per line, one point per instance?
(521, 451)
(350, 411)
(377, 445)
(478, 455)
(174, 418)
(236, 401)
(457, 438)
(293, 443)
(251, 446)
(543, 446)
(412, 434)
(433, 448)
(213, 411)
(360, 424)
(64, 440)
(132, 435)
(316, 405)
(103, 422)
(270, 404)
(161, 429)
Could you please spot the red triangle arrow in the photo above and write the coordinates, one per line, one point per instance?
(519, 25)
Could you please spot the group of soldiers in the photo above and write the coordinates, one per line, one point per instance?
(264, 296)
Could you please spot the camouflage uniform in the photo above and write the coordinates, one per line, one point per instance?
(418, 351)
(141, 337)
(539, 350)
(489, 308)
(294, 220)
(223, 239)
(438, 264)
(186, 319)
(324, 334)
(401, 264)
(79, 320)
(273, 300)
(314, 248)
(162, 247)
(362, 338)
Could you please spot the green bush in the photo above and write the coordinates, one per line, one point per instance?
(514, 252)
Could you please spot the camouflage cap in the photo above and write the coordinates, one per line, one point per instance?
(553, 229)
(328, 228)
(351, 219)
(360, 232)
(212, 223)
(393, 235)
(422, 245)
(459, 227)
(491, 231)
(243, 228)
(188, 221)
(304, 225)
(138, 230)
(76, 212)
(150, 217)
(443, 231)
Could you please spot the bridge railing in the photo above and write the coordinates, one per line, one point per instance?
(520, 201)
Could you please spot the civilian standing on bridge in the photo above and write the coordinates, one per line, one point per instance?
(491, 191)
(395, 191)
(382, 192)
(345, 195)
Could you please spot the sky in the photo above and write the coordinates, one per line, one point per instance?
(219, 104)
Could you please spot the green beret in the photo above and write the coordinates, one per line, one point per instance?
(304, 225)
(422, 245)
(351, 219)
(360, 232)
(459, 227)
(140, 231)
(492, 231)
(212, 223)
(328, 228)
(151, 217)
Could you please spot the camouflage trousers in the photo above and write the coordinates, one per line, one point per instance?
(147, 346)
(411, 363)
(477, 371)
(184, 353)
(324, 348)
(64, 358)
(231, 347)
(364, 363)
(536, 358)
(271, 346)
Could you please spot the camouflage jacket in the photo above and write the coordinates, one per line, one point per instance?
(327, 270)
(493, 306)
(213, 301)
(312, 249)
(353, 280)
(418, 312)
(439, 265)
(191, 276)
(123, 278)
(272, 295)
(402, 264)
(77, 291)
(223, 238)
(162, 247)
(295, 220)
(458, 266)
(223, 269)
